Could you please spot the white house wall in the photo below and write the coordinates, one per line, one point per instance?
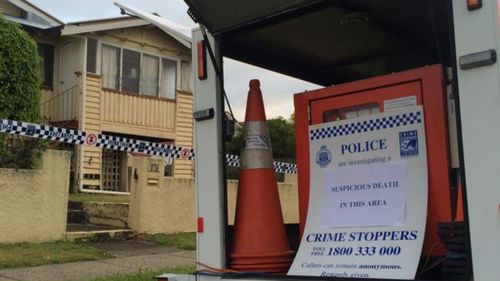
(71, 58)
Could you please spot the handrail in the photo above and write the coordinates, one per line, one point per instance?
(62, 106)
(71, 89)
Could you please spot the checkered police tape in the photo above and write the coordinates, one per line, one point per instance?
(116, 143)
(287, 168)
(140, 146)
(232, 160)
(280, 167)
(367, 125)
(42, 131)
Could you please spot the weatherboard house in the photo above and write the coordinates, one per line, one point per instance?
(127, 76)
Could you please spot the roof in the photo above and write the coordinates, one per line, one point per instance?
(328, 41)
(138, 18)
(101, 25)
(28, 7)
(28, 23)
(163, 24)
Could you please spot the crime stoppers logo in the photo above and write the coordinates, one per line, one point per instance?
(323, 156)
(408, 143)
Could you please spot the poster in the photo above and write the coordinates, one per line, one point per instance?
(368, 197)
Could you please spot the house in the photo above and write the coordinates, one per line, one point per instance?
(127, 76)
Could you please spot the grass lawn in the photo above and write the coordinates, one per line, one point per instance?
(32, 254)
(148, 275)
(85, 197)
(183, 240)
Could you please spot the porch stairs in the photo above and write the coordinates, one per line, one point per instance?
(80, 228)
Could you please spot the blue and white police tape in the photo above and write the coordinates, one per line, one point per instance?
(116, 143)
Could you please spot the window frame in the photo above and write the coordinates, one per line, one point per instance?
(141, 52)
(177, 77)
(97, 55)
(122, 51)
(119, 70)
(53, 62)
(160, 69)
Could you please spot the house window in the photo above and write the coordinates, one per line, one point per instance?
(91, 55)
(168, 79)
(140, 73)
(46, 53)
(131, 71)
(150, 71)
(110, 67)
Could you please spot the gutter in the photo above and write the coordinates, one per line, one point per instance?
(157, 21)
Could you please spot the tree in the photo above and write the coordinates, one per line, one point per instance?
(19, 93)
(282, 134)
(19, 74)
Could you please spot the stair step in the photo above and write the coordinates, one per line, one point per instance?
(75, 205)
(76, 216)
(95, 233)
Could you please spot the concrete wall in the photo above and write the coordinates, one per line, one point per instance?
(159, 204)
(34, 203)
(167, 205)
(288, 199)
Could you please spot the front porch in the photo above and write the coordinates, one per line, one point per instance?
(113, 112)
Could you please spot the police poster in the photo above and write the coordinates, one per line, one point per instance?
(368, 198)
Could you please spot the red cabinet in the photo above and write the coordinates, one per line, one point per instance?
(422, 86)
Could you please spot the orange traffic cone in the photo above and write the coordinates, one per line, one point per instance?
(260, 243)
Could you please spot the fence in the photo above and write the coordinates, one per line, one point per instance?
(116, 143)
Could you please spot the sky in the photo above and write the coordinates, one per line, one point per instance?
(277, 89)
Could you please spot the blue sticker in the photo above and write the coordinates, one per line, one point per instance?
(30, 130)
(323, 156)
(142, 146)
(408, 143)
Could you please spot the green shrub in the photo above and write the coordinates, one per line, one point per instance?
(19, 94)
(19, 74)
(20, 152)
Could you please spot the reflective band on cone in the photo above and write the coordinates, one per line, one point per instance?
(259, 243)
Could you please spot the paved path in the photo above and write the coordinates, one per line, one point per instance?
(131, 257)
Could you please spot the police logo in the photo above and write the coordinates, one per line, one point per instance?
(30, 130)
(323, 157)
(408, 143)
(142, 147)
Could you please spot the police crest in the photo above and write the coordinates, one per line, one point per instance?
(323, 156)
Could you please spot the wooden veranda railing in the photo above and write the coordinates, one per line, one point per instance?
(62, 106)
